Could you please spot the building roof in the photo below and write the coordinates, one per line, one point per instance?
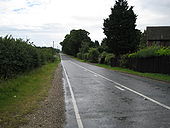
(158, 33)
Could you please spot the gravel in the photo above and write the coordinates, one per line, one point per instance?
(51, 113)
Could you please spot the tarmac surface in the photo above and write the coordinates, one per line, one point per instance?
(100, 98)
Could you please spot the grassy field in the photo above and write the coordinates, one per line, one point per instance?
(156, 76)
(20, 96)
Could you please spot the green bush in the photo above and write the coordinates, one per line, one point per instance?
(79, 55)
(93, 55)
(86, 56)
(146, 52)
(123, 62)
(164, 51)
(109, 58)
(102, 57)
(18, 56)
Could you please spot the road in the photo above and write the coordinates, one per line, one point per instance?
(100, 98)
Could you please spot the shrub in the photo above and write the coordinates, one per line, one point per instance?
(109, 58)
(79, 55)
(93, 55)
(102, 57)
(164, 51)
(146, 52)
(18, 56)
(123, 62)
(86, 56)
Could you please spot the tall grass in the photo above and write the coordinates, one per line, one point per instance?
(19, 96)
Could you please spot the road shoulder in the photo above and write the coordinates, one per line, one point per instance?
(51, 112)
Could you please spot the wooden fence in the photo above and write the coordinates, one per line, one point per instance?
(159, 64)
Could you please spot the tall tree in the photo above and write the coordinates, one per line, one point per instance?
(120, 30)
(73, 41)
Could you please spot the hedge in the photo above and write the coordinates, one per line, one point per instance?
(18, 56)
(150, 52)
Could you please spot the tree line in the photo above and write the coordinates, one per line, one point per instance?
(121, 36)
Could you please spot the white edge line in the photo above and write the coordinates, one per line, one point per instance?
(131, 90)
(120, 88)
(78, 118)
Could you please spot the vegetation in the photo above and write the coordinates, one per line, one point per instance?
(143, 40)
(119, 28)
(156, 76)
(109, 58)
(73, 41)
(151, 51)
(19, 96)
(124, 46)
(18, 56)
(93, 55)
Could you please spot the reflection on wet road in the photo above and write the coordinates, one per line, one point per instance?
(109, 99)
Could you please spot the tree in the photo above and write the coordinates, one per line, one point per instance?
(73, 41)
(143, 40)
(120, 30)
(96, 44)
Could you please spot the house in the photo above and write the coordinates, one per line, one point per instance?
(159, 35)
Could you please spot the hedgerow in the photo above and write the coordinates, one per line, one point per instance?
(150, 52)
(18, 56)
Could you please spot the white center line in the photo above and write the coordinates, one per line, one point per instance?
(120, 88)
(95, 75)
(79, 121)
(123, 86)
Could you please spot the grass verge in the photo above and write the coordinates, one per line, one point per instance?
(21, 95)
(156, 76)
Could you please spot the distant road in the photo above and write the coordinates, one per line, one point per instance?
(101, 98)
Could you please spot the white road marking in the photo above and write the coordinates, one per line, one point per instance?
(78, 118)
(120, 88)
(123, 86)
(95, 75)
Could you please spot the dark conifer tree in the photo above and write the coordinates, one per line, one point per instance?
(120, 30)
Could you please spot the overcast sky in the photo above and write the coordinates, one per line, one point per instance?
(45, 21)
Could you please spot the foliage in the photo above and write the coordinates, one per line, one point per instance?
(85, 56)
(156, 76)
(151, 51)
(93, 55)
(18, 56)
(20, 96)
(120, 30)
(102, 57)
(73, 41)
(165, 51)
(79, 55)
(143, 40)
(96, 44)
(123, 62)
(109, 58)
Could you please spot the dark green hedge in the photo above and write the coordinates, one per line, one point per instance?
(17, 56)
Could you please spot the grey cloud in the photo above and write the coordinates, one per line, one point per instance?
(156, 5)
(52, 28)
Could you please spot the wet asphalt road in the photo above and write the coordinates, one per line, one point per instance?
(109, 99)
